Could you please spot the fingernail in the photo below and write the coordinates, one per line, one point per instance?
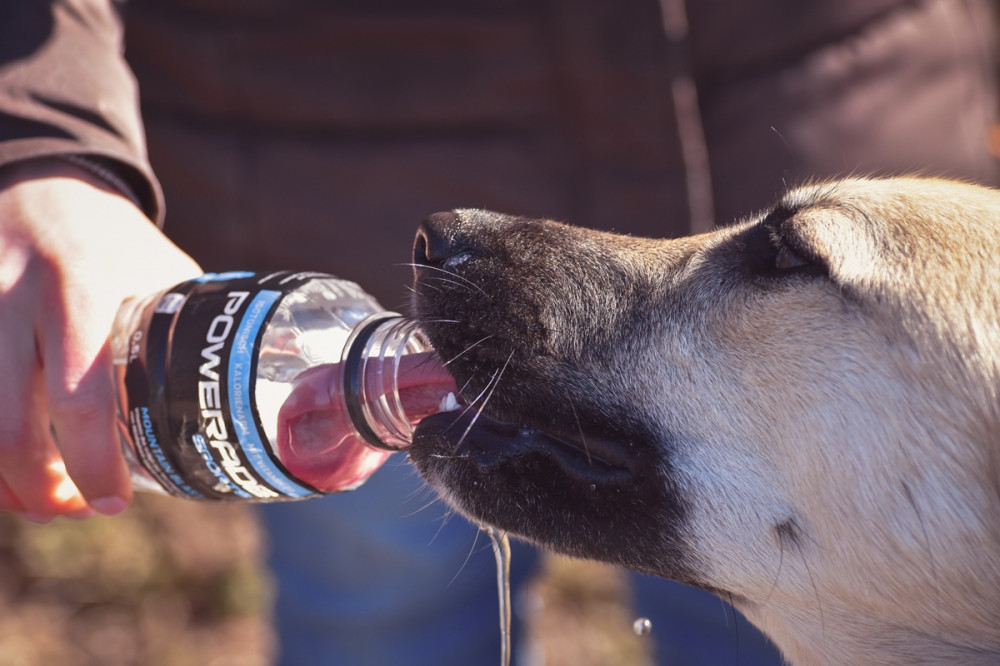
(109, 506)
(38, 518)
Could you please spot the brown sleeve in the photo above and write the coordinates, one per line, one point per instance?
(65, 89)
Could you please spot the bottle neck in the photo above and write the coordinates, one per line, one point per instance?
(374, 365)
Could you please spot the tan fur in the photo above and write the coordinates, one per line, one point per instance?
(834, 440)
(902, 559)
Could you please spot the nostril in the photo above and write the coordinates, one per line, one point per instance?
(438, 240)
(420, 248)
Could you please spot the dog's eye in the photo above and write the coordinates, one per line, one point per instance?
(770, 253)
(790, 260)
(786, 259)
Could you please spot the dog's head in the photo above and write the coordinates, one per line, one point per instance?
(799, 411)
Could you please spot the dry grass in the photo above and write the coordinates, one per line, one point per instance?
(168, 583)
(175, 583)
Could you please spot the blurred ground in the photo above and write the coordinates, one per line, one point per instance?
(177, 583)
(167, 583)
(585, 618)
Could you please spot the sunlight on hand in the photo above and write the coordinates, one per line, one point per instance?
(64, 490)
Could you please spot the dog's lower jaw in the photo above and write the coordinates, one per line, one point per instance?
(534, 489)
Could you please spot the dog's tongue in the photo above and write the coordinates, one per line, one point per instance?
(316, 440)
(423, 384)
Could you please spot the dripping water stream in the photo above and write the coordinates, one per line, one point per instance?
(501, 550)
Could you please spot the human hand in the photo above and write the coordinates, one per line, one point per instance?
(71, 250)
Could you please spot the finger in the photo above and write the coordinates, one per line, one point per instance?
(80, 393)
(8, 500)
(32, 469)
(27, 454)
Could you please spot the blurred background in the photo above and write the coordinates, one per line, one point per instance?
(177, 583)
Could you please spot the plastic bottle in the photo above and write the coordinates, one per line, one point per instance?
(283, 386)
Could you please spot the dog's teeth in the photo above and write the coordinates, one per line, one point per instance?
(449, 403)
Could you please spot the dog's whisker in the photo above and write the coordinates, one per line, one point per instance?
(472, 405)
(455, 277)
(927, 541)
(475, 417)
(445, 271)
(796, 532)
(494, 381)
(579, 427)
(736, 626)
(468, 558)
(483, 392)
(439, 321)
(451, 281)
(432, 359)
(445, 519)
(777, 573)
(431, 501)
(467, 350)
(819, 602)
(425, 285)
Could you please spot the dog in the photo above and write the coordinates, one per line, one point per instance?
(799, 412)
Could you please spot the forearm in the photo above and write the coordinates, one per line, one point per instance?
(65, 89)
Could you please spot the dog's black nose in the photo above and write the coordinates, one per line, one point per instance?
(438, 239)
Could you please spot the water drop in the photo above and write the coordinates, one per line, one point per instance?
(642, 626)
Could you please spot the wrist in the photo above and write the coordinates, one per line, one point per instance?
(98, 168)
(79, 167)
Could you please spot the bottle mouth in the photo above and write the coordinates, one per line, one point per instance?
(391, 380)
(356, 353)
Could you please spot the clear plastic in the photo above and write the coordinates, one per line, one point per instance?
(126, 333)
(395, 357)
(298, 389)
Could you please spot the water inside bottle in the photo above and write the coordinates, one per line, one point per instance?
(501, 551)
(299, 379)
(298, 365)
